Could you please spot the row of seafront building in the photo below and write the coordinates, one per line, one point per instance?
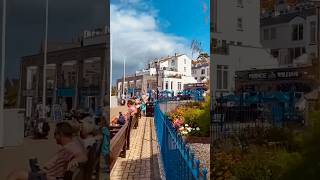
(76, 73)
(171, 73)
(263, 50)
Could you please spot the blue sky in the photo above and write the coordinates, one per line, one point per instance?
(142, 30)
(187, 19)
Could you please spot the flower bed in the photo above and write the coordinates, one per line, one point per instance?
(192, 119)
(274, 153)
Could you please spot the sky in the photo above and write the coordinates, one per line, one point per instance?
(142, 30)
(26, 25)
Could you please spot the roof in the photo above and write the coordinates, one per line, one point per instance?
(285, 18)
(167, 58)
(200, 62)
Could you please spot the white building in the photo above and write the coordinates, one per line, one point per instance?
(235, 42)
(291, 37)
(201, 69)
(173, 73)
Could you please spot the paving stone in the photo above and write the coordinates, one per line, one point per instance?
(137, 164)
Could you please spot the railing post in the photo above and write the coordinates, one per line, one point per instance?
(204, 173)
(129, 132)
(197, 168)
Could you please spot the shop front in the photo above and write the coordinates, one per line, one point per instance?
(298, 79)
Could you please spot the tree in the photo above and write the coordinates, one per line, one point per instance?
(196, 47)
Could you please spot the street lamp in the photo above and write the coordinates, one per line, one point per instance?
(157, 71)
(44, 90)
(3, 60)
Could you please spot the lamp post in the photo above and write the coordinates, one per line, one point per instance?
(3, 61)
(44, 90)
(157, 71)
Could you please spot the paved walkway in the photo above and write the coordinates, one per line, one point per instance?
(141, 161)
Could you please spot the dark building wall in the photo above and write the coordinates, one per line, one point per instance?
(58, 58)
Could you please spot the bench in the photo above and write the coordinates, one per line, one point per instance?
(88, 170)
(120, 141)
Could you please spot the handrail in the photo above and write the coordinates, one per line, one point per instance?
(174, 151)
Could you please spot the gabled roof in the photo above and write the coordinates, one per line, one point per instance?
(285, 18)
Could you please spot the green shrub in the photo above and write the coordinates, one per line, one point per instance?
(309, 166)
(265, 164)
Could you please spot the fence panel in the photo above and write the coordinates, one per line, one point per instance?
(178, 160)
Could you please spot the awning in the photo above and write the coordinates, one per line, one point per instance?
(66, 92)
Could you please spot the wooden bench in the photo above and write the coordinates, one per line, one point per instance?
(120, 141)
(90, 169)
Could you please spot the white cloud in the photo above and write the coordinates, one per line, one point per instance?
(137, 37)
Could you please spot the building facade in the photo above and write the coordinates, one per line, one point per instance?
(235, 43)
(201, 69)
(171, 73)
(77, 76)
(291, 37)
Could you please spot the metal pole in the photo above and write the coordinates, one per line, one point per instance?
(157, 69)
(3, 61)
(318, 38)
(124, 74)
(111, 65)
(45, 63)
(77, 86)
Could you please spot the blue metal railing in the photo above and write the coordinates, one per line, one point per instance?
(178, 160)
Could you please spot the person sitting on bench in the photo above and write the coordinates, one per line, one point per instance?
(87, 134)
(59, 164)
(121, 119)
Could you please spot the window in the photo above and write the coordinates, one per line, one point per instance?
(214, 42)
(296, 52)
(185, 69)
(297, 32)
(172, 63)
(239, 43)
(273, 33)
(231, 42)
(239, 24)
(313, 32)
(167, 84)
(275, 53)
(224, 43)
(240, 3)
(171, 84)
(179, 86)
(203, 71)
(266, 34)
(185, 61)
(222, 77)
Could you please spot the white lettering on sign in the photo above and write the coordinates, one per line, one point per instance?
(287, 74)
(258, 76)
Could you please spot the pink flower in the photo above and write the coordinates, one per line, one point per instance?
(177, 123)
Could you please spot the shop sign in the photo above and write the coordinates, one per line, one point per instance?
(274, 75)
